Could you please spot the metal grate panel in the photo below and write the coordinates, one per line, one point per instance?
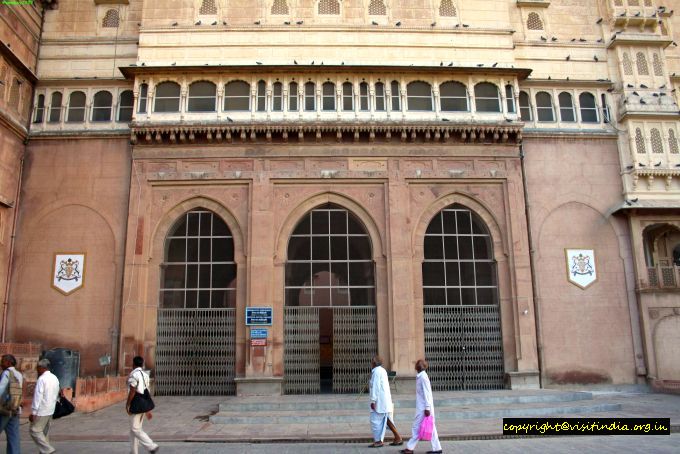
(301, 350)
(464, 347)
(195, 352)
(354, 344)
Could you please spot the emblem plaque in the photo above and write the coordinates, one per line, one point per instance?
(581, 268)
(68, 273)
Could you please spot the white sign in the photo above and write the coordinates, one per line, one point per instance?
(68, 274)
(581, 269)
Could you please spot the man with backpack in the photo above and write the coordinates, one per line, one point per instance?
(11, 383)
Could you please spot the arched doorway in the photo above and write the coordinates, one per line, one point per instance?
(330, 313)
(196, 316)
(463, 339)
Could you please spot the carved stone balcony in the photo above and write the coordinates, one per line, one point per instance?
(661, 277)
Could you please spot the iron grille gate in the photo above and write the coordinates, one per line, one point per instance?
(464, 347)
(195, 352)
(354, 344)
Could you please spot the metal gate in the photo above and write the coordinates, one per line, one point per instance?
(464, 347)
(195, 352)
(354, 344)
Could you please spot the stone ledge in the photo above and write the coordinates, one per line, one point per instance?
(526, 379)
(259, 386)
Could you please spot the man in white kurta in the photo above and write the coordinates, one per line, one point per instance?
(424, 407)
(381, 401)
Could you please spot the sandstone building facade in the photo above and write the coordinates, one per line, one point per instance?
(401, 177)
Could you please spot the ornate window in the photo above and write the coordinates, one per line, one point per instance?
(525, 106)
(672, 141)
(329, 261)
(657, 143)
(125, 106)
(641, 62)
(328, 96)
(39, 109)
(293, 97)
(658, 66)
(76, 107)
(364, 104)
(237, 96)
(111, 19)
(544, 107)
(279, 7)
(347, 97)
(627, 65)
(396, 96)
(14, 94)
(202, 97)
(380, 97)
(143, 98)
(377, 8)
(101, 107)
(534, 22)
(447, 9)
(588, 108)
(487, 97)
(639, 141)
(419, 96)
(510, 98)
(458, 267)
(167, 97)
(208, 8)
(453, 97)
(329, 7)
(277, 98)
(55, 108)
(199, 269)
(310, 97)
(261, 96)
(567, 113)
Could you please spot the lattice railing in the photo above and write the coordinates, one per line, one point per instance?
(355, 342)
(662, 277)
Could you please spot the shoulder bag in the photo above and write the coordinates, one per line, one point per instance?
(142, 403)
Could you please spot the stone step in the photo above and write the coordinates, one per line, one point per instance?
(443, 413)
(442, 400)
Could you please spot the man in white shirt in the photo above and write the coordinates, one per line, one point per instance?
(424, 407)
(138, 381)
(381, 405)
(42, 409)
(9, 423)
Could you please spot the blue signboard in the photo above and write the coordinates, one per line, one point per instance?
(258, 333)
(259, 316)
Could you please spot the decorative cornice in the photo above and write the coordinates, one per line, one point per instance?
(534, 3)
(491, 133)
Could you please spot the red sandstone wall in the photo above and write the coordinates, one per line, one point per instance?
(573, 185)
(74, 198)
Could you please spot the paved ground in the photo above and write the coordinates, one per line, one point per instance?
(600, 445)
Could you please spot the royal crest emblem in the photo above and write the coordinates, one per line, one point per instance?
(581, 267)
(68, 275)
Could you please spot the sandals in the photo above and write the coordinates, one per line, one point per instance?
(377, 444)
(406, 451)
(397, 443)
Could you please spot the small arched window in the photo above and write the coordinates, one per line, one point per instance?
(588, 108)
(627, 64)
(237, 96)
(125, 106)
(658, 66)
(348, 97)
(525, 106)
(396, 96)
(544, 107)
(310, 97)
(202, 97)
(55, 108)
(39, 109)
(277, 99)
(567, 113)
(377, 8)
(672, 141)
(657, 142)
(261, 96)
(510, 98)
(453, 97)
(111, 19)
(639, 142)
(379, 97)
(208, 8)
(447, 8)
(279, 7)
(101, 108)
(76, 107)
(641, 61)
(534, 22)
(167, 97)
(419, 96)
(364, 104)
(328, 96)
(487, 98)
(293, 97)
(143, 97)
(330, 7)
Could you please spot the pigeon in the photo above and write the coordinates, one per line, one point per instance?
(312, 62)
(494, 65)
(656, 95)
(230, 120)
(582, 40)
(224, 22)
(629, 167)
(635, 199)
(636, 93)
(642, 101)
(214, 23)
(573, 39)
(623, 14)
(198, 23)
(643, 86)
(450, 64)
(173, 63)
(599, 21)
(595, 58)
(300, 22)
(445, 119)
(398, 24)
(662, 87)
(658, 164)
(609, 90)
(374, 23)
(286, 22)
(568, 57)
(479, 65)
(433, 24)
(600, 40)
(543, 38)
(641, 164)
(295, 61)
(465, 25)
(441, 63)
(630, 86)
(143, 64)
(637, 14)
(174, 24)
(553, 39)
(258, 62)
(257, 22)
